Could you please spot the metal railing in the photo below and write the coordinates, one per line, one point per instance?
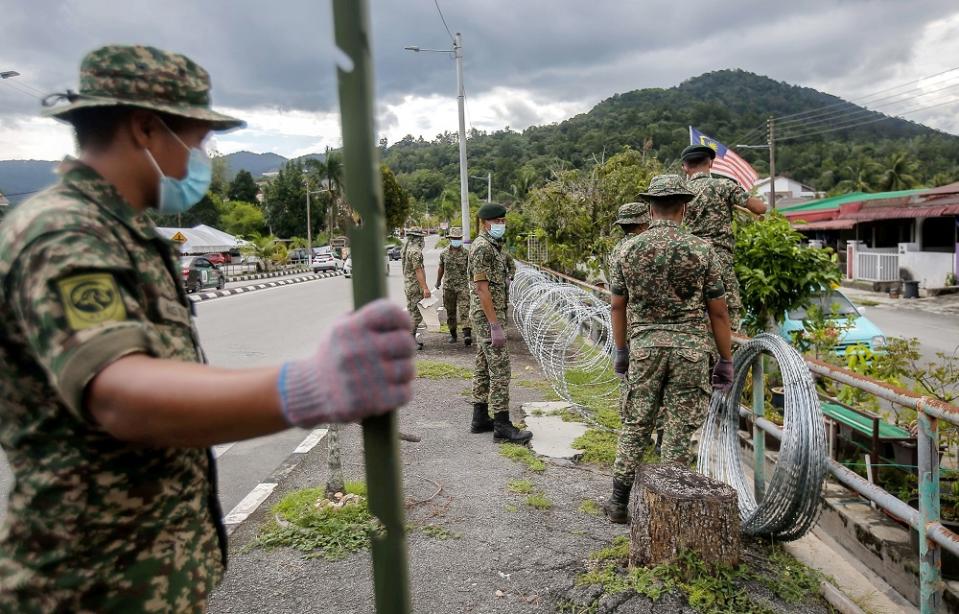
(933, 536)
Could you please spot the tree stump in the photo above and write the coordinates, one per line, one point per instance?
(675, 509)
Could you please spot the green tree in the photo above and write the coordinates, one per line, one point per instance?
(396, 200)
(285, 202)
(221, 171)
(243, 187)
(899, 172)
(242, 219)
(776, 273)
(859, 175)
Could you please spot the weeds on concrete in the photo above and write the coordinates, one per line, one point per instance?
(599, 447)
(438, 532)
(539, 501)
(590, 507)
(520, 487)
(511, 508)
(330, 532)
(434, 369)
(522, 454)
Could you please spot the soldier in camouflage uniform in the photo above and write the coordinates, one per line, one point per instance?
(414, 278)
(489, 270)
(710, 216)
(663, 283)
(114, 507)
(456, 291)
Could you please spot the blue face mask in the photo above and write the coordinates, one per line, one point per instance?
(497, 230)
(456, 243)
(178, 195)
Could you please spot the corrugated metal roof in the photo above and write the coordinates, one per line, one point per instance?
(834, 202)
(867, 214)
(825, 225)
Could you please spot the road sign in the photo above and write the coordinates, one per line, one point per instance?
(179, 237)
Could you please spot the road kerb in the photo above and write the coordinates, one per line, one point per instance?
(198, 297)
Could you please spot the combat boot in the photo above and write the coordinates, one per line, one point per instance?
(452, 338)
(482, 423)
(617, 507)
(468, 336)
(505, 432)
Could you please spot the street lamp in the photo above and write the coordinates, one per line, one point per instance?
(7, 74)
(489, 185)
(457, 52)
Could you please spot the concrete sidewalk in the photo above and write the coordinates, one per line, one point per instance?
(946, 304)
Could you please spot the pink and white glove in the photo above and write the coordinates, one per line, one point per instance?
(497, 335)
(363, 367)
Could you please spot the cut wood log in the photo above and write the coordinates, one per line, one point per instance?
(675, 509)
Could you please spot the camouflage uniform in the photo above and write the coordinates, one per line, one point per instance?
(95, 524)
(667, 275)
(488, 262)
(709, 216)
(412, 259)
(456, 292)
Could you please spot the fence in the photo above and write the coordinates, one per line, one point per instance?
(933, 536)
(873, 266)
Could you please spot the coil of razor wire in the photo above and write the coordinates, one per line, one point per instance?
(792, 501)
(567, 330)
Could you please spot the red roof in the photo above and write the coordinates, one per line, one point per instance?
(891, 213)
(825, 225)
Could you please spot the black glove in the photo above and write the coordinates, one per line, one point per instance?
(621, 361)
(723, 375)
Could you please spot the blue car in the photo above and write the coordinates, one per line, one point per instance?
(862, 332)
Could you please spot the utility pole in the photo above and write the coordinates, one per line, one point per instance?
(771, 140)
(309, 223)
(489, 187)
(461, 103)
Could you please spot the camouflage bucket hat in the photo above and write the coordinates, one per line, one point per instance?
(633, 213)
(142, 77)
(667, 186)
(455, 232)
(415, 232)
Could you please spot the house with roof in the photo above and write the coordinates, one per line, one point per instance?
(788, 191)
(887, 236)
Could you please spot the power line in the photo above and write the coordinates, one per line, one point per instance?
(22, 91)
(440, 11)
(22, 83)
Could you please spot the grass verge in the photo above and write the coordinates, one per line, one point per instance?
(434, 369)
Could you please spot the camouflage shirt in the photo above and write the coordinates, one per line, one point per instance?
(412, 259)
(488, 262)
(94, 523)
(709, 216)
(667, 275)
(454, 263)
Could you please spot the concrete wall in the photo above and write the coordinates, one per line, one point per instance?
(928, 268)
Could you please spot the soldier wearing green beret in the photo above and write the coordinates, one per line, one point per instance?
(663, 283)
(710, 216)
(414, 278)
(114, 507)
(454, 261)
(490, 272)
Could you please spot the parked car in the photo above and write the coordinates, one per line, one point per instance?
(862, 331)
(348, 267)
(299, 256)
(393, 252)
(199, 273)
(325, 261)
(218, 258)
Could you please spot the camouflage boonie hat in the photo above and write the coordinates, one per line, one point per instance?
(633, 213)
(455, 232)
(667, 186)
(142, 77)
(415, 232)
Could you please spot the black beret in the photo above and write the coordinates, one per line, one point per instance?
(695, 151)
(491, 211)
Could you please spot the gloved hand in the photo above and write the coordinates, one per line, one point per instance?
(363, 368)
(723, 375)
(621, 361)
(497, 335)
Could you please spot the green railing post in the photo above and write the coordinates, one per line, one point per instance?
(759, 436)
(365, 192)
(930, 590)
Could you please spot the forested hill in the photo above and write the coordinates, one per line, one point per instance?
(726, 105)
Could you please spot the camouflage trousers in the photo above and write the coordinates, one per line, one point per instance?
(667, 384)
(492, 372)
(734, 302)
(456, 301)
(414, 294)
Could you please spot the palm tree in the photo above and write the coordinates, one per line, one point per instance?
(899, 173)
(860, 176)
(263, 248)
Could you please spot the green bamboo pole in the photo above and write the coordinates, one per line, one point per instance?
(365, 194)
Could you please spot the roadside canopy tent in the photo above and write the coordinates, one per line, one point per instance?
(202, 239)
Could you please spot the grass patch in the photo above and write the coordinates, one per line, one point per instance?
(434, 369)
(588, 506)
(599, 447)
(330, 531)
(438, 532)
(618, 550)
(868, 302)
(541, 386)
(522, 454)
(539, 501)
(511, 508)
(789, 579)
(520, 487)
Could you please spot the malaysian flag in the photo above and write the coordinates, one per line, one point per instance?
(727, 162)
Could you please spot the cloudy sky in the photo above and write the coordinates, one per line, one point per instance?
(527, 62)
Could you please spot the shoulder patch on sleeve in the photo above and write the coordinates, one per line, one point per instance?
(90, 300)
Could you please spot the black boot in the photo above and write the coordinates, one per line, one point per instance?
(616, 507)
(452, 338)
(468, 336)
(482, 423)
(505, 432)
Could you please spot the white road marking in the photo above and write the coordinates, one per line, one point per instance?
(310, 442)
(249, 503)
(221, 449)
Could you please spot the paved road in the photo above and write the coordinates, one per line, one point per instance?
(263, 328)
(936, 333)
